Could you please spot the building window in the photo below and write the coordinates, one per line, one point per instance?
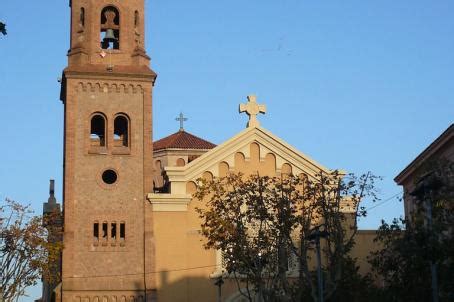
(110, 28)
(106, 234)
(113, 231)
(136, 19)
(98, 131)
(82, 17)
(180, 162)
(292, 265)
(96, 233)
(104, 231)
(109, 177)
(121, 131)
(122, 232)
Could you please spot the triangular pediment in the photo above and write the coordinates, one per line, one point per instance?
(266, 146)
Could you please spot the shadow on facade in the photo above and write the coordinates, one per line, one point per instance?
(195, 288)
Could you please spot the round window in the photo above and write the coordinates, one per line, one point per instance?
(109, 177)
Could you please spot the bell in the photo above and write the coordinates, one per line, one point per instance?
(110, 36)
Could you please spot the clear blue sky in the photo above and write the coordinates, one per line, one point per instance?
(356, 85)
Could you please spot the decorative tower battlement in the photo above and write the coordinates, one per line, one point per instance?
(107, 94)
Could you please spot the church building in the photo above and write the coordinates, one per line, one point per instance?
(131, 231)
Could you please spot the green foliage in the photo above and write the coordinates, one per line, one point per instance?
(27, 252)
(260, 223)
(353, 287)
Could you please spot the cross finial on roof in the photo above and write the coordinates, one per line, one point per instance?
(181, 119)
(252, 109)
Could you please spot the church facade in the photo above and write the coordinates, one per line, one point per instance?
(131, 231)
(187, 271)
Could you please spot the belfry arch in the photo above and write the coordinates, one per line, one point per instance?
(110, 28)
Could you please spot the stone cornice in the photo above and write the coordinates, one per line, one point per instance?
(105, 75)
(169, 202)
(178, 151)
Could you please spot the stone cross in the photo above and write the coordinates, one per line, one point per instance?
(181, 119)
(252, 109)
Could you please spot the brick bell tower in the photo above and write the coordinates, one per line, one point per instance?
(107, 95)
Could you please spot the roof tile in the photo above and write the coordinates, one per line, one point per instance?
(182, 140)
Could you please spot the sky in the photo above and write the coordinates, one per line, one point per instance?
(356, 85)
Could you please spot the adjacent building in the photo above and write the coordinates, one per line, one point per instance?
(441, 150)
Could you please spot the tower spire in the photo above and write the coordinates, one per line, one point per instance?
(52, 199)
(51, 205)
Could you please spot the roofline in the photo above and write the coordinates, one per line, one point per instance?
(174, 148)
(424, 155)
(182, 149)
(294, 156)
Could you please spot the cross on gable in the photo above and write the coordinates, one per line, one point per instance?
(181, 119)
(252, 109)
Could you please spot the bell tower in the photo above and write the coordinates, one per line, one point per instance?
(107, 32)
(107, 95)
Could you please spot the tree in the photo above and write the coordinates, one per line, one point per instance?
(411, 246)
(27, 252)
(261, 224)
